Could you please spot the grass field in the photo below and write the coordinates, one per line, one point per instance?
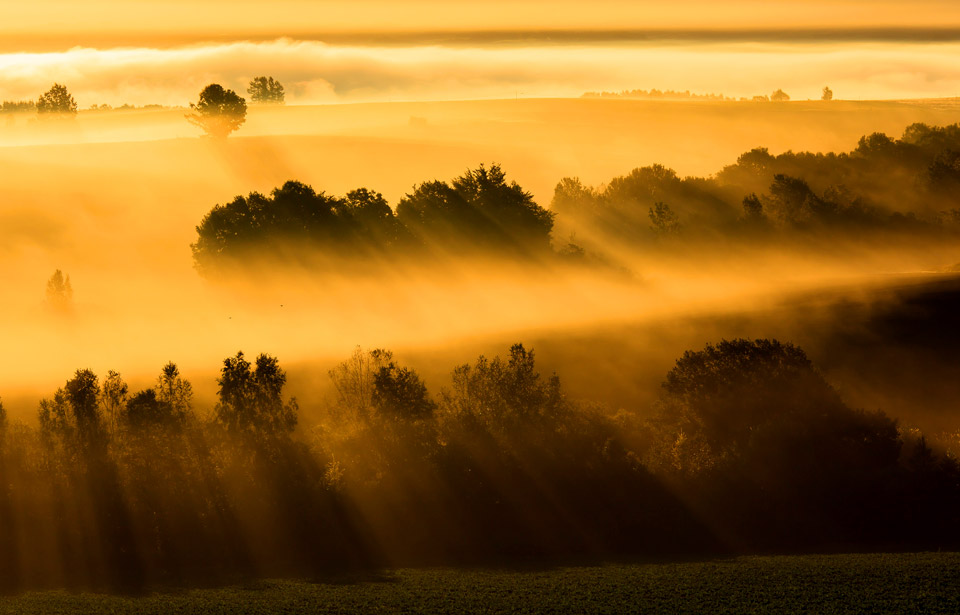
(874, 583)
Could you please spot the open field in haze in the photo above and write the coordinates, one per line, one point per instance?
(113, 200)
(390, 146)
(407, 306)
(872, 583)
(631, 391)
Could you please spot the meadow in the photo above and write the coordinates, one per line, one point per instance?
(867, 583)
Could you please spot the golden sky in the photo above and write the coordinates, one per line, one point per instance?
(147, 51)
(98, 22)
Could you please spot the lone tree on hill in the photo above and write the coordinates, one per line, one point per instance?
(218, 112)
(827, 93)
(266, 91)
(57, 101)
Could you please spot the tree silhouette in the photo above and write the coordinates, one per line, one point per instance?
(292, 214)
(218, 112)
(399, 391)
(571, 196)
(174, 390)
(251, 400)
(504, 394)
(827, 93)
(481, 210)
(752, 209)
(376, 220)
(166, 405)
(57, 101)
(74, 413)
(266, 91)
(354, 378)
(792, 200)
(145, 410)
(943, 174)
(83, 393)
(509, 206)
(756, 403)
(114, 395)
(664, 220)
(59, 291)
(779, 96)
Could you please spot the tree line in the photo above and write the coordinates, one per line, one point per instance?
(218, 111)
(478, 212)
(884, 188)
(748, 449)
(778, 95)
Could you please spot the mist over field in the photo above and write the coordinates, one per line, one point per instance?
(522, 64)
(318, 289)
(112, 200)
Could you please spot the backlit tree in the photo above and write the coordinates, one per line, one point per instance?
(57, 101)
(266, 91)
(218, 111)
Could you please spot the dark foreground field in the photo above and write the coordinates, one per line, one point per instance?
(874, 583)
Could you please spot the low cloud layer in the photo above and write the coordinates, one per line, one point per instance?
(85, 22)
(317, 72)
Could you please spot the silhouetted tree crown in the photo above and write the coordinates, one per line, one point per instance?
(57, 101)
(74, 413)
(479, 208)
(113, 398)
(293, 216)
(504, 394)
(753, 209)
(144, 410)
(761, 404)
(59, 291)
(399, 392)
(354, 379)
(218, 112)
(664, 221)
(175, 391)
(251, 397)
(827, 93)
(266, 91)
(779, 96)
